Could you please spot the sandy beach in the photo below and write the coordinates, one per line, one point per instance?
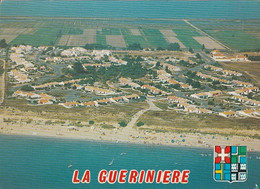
(140, 135)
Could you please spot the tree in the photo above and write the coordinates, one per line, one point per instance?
(158, 64)
(191, 50)
(203, 47)
(78, 68)
(173, 47)
(134, 46)
(122, 124)
(91, 122)
(3, 43)
(198, 56)
(139, 124)
(27, 88)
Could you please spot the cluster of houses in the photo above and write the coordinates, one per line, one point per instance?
(128, 82)
(225, 72)
(205, 76)
(96, 90)
(19, 76)
(186, 105)
(165, 77)
(55, 84)
(243, 113)
(246, 100)
(104, 101)
(220, 57)
(153, 90)
(244, 91)
(41, 99)
(205, 95)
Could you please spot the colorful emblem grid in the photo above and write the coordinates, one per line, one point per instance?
(230, 164)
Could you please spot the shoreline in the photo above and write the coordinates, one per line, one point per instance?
(128, 135)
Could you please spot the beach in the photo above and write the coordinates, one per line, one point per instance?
(136, 135)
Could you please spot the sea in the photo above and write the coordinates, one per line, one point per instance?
(209, 9)
(40, 162)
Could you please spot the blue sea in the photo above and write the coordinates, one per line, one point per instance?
(227, 9)
(37, 162)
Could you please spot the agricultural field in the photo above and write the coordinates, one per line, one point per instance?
(149, 33)
(237, 35)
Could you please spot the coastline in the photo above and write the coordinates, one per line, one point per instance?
(128, 135)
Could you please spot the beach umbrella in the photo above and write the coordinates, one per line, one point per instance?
(172, 141)
(183, 140)
(227, 138)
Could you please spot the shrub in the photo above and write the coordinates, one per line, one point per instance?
(122, 124)
(139, 124)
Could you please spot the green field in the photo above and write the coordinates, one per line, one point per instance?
(236, 39)
(131, 39)
(236, 35)
(185, 36)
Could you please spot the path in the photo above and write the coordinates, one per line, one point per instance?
(2, 83)
(135, 117)
(204, 33)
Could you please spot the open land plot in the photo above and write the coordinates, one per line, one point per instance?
(195, 121)
(186, 37)
(131, 39)
(208, 42)
(111, 31)
(115, 112)
(237, 35)
(115, 40)
(135, 32)
(168, 33)
(155, 38)
(236, 39)
(248, 68)
(63, 40)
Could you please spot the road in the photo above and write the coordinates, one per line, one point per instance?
(2, 83)
(204, 33)
(135, 117)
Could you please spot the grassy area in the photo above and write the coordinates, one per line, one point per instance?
(250, 69)
(112, 113)
(131, 39)
(195, 121)
(44, 31)
(185, 36)
(236, 39)
(155, 38)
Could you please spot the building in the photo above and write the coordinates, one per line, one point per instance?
(228, 114)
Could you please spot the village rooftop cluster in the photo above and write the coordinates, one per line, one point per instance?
(189, 83)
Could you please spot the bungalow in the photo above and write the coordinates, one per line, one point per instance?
(214, 68)
(228, 114)
(171, 67)
(104, 101)
(199, 95)
(204, 111)
(173, 82)
(185, 86)
(153, 89)
(70, 104)
(175, 99)
(241, 83)
(231, 73)
(44, 101)
(248, 113)
(90, 103)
